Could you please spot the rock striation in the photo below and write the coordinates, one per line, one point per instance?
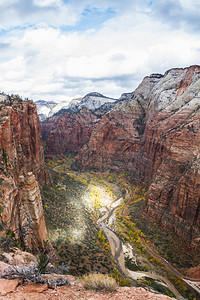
(155, 135)
(118, 137)
(71, 126)
(22, 167)
(32, 207)
(68, 131)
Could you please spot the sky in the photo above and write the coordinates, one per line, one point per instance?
(63, 49)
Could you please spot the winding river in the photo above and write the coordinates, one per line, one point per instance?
(117, 246)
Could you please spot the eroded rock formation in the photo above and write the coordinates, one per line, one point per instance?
(31, 207)
(22, 167)
(156, 136)
(68, 131)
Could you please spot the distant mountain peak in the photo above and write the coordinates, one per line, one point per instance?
(96, 94)
(91, 101)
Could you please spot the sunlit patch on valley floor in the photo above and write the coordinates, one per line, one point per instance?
(77, 202)
(72, 206)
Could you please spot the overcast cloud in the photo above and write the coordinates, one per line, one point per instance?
(59, 50)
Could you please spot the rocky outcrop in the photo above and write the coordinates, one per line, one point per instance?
(172, 139)
(8, 286)
(118, 138)
(68, 131)
(21, 141)
(16, 258)
(33, 216)
(22, 167)
(74, 290)
(156, 136)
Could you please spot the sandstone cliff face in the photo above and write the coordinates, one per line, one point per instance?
(20, 140)
(156, 136)
(172, 139)
(32, 204)
(69, 131)
(119, 136)
(21, 152)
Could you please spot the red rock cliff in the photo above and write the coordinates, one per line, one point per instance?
(69, 131)
(156, 136)
(172, 139)
(21, 154)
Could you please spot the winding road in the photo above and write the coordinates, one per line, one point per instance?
(117, 249)
(118, 254)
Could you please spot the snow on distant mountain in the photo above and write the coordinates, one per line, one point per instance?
(44, 108)
(47, 109)
(92, 101)
(62, 105)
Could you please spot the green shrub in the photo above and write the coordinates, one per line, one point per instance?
(42, 262)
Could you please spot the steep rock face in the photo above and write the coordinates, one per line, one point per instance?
(155, 135)
(32, 204)
(69, 131)
(172, 138)
(21, 152)
(119, 135)
(21, 141)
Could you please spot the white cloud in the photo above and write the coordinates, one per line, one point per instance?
(44, 3)
(6, 2)
(50, 63)
(14, 13)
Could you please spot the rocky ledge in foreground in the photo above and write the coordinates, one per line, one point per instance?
(75, 291)
(72, 289)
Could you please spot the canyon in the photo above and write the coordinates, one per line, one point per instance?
(71, 126)
(155, 136)
(153, 133)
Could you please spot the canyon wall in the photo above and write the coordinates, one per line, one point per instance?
(156, 136)
(68, 131)
(22, 167)
(172, 139)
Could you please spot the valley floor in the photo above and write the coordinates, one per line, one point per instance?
(80, 201)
